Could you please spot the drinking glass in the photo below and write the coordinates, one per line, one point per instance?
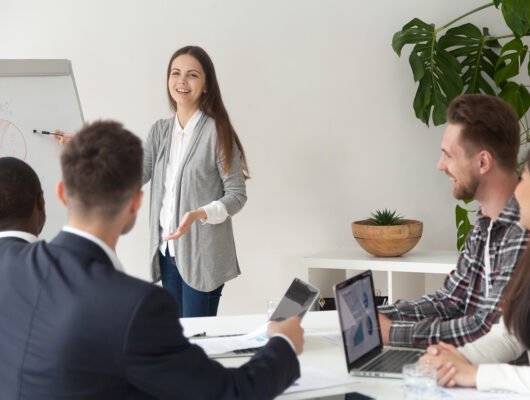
(419, 381)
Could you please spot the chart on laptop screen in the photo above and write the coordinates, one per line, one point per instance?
(358, 317)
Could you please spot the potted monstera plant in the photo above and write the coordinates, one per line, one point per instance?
(453, 58)
(387, 234)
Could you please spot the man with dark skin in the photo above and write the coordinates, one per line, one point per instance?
(22, 212)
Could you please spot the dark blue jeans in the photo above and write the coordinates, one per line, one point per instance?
(191, 302)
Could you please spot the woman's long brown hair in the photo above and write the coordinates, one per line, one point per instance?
(516, 307)
(212, 104)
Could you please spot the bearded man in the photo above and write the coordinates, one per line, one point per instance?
(479, 155)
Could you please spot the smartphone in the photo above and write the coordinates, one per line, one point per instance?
(347, 396)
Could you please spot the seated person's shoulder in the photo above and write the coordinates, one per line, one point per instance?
(12, 242)
(137, 284)
(12, 249)
(516, 232)
(138, 291)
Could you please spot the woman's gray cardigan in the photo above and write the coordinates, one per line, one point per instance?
(206, 255)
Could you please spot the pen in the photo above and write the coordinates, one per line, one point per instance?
(47, 133)
(200, 334)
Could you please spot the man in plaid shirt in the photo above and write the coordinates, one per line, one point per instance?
(479, 155)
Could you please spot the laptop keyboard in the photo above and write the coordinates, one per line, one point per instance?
(250, 351)
(392, 361)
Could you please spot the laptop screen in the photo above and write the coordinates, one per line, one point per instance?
(296, 301)
(358, 317)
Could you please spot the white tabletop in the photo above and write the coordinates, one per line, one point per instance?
(319, 352)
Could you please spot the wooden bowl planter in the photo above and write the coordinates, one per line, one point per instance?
(387, 241)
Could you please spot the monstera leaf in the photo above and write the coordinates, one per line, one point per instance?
(475, 52)
(436, 70)
(517, 95)
(517, 16)
(509, 63)
(512, 57)
(463, 225)
(467, 60)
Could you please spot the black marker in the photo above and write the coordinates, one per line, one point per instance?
(47, 133)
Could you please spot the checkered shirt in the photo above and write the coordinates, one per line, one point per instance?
(459, 312)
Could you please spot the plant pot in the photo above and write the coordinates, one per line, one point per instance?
(387, 241)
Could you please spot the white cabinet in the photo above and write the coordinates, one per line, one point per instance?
(399, 284)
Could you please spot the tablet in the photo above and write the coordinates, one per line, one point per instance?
(298, 299)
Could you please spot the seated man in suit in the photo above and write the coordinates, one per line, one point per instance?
(22, 212)
(73, 326)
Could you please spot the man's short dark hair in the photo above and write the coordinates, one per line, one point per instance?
(488, 123)
(20, 190)
(102, 167)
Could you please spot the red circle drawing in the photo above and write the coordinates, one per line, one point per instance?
(12, 141)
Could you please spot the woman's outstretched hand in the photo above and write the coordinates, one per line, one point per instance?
(189, 218)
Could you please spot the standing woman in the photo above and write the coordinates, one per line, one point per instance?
(197, 168)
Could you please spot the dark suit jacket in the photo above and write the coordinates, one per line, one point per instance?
(72, 327)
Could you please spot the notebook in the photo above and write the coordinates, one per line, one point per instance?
(361, 333)
(297, 300)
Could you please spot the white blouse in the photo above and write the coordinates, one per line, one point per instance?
(491, 353)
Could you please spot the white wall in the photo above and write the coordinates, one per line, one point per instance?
(322, 105)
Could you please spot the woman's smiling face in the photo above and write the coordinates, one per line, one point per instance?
(186, 81)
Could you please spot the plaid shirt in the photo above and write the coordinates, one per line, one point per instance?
(459, 312)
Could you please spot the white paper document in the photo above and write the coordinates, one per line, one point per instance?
(473, 394)
(314, 379)
(225, 344)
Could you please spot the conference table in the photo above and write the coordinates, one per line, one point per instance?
(322, 351)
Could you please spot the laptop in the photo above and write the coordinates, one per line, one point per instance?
(361, 333)
(297, 300)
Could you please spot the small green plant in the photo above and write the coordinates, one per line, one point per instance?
(385, 217)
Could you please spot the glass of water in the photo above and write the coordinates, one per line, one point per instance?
(419, 381)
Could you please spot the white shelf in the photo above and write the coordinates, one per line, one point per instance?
(432, 262)
(351, 258)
